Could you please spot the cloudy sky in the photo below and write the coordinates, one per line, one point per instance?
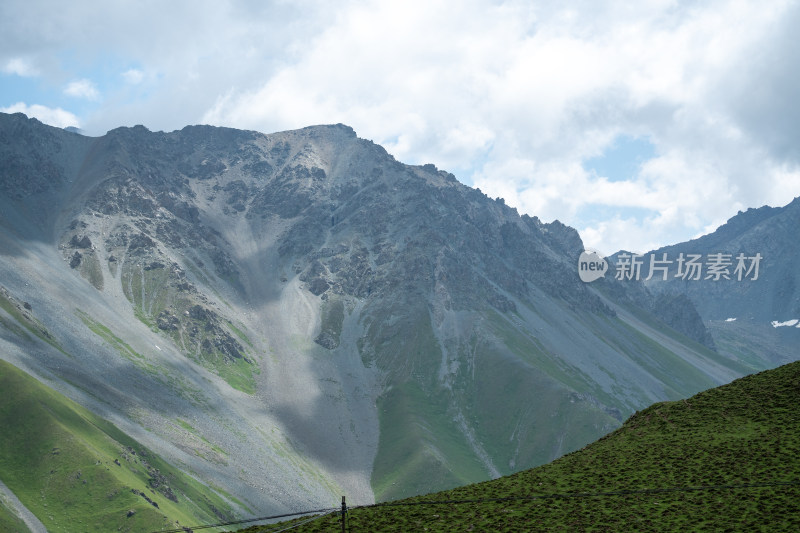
(638, 123)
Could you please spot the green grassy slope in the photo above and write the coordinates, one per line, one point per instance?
(470, 407)
(77, 472)
(752, 342)
(744, 433)
(10, 522)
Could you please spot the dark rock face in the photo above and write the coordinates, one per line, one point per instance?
(678, 311)
(775, 296)
(672, 308)
(83, 242)
(168, 321)
(327, 340)
(140, 241)
(30, 171)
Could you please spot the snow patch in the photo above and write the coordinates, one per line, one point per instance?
(788, 323)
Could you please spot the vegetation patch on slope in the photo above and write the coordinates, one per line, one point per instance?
(545, 421)
(77, 472)
(22, 312)
(725, 459)
(165, 301)
(9, 521)
(424, 441)
(420, 443)
(173, 381)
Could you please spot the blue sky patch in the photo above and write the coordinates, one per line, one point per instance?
(622, 160)
(15, 89)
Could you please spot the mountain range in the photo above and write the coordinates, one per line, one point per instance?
(290, 317)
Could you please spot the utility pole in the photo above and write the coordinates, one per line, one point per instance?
(344, 511)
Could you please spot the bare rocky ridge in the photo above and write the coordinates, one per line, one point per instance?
(775, 295)
(329, 320)
(740, 313)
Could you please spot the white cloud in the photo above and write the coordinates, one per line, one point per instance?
(605, 236)
(20, 67)
(133, 76)
(55, 117)
(511, 96)
(82, 89)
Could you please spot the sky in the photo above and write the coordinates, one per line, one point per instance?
(640, 124)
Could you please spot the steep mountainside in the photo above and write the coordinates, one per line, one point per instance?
(758, 306)
(724, 460)
(325, 319)
(67, 461)
(775, 295)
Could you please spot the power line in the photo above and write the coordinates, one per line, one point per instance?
(624, 492)
(300, 523)
(327, 510)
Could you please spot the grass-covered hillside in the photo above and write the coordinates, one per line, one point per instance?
(76, 472)
(727, 459)
(9, 521)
